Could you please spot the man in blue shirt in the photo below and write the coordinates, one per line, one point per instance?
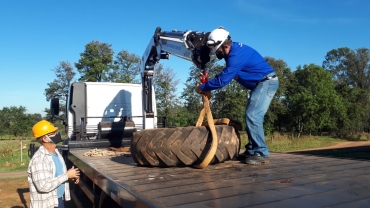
(251, 70)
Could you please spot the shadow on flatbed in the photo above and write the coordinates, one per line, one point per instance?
(358, 153)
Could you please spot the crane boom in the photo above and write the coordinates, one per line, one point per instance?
(188, 45)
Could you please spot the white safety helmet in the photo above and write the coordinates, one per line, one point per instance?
(216, 38)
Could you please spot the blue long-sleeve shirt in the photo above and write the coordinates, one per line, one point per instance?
(243, 62)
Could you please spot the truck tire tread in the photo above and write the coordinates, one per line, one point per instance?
(183, 146)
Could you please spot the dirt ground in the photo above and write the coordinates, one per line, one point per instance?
(14, 192)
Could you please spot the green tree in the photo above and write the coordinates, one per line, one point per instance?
(15, 121)
(181, 117)
(356, 117)
(127, 68)
(314, 102)
(349, 66)
(59, 87)
(96, 62)
(165, 83)
(351, 72)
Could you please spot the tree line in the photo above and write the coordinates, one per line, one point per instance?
(16, 122)
(312, 99)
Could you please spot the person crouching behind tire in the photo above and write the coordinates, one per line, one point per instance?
(47, 172)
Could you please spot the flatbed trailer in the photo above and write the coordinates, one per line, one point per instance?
(290, 180)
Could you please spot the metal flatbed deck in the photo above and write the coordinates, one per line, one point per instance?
(290, 180)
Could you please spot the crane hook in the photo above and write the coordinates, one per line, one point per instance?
(203, 77)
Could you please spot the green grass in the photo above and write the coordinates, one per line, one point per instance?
(279, 143)
(12, 137)
(283, 145)
(11, 158)
(21, 178)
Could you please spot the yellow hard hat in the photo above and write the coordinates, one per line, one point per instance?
(42, 128)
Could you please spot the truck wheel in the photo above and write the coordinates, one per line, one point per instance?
(183, 146)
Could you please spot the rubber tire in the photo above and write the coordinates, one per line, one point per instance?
(183, 146)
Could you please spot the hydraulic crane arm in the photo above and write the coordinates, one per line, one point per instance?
(188, 45)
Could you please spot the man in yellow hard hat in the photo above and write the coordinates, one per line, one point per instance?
(47, 172)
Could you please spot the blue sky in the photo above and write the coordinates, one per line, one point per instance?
(36, 35)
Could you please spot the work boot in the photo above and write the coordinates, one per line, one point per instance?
(243, 155)
(257, 159)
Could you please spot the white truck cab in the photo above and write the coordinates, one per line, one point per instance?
(102, 109)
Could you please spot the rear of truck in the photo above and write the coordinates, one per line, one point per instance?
(100, 115)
